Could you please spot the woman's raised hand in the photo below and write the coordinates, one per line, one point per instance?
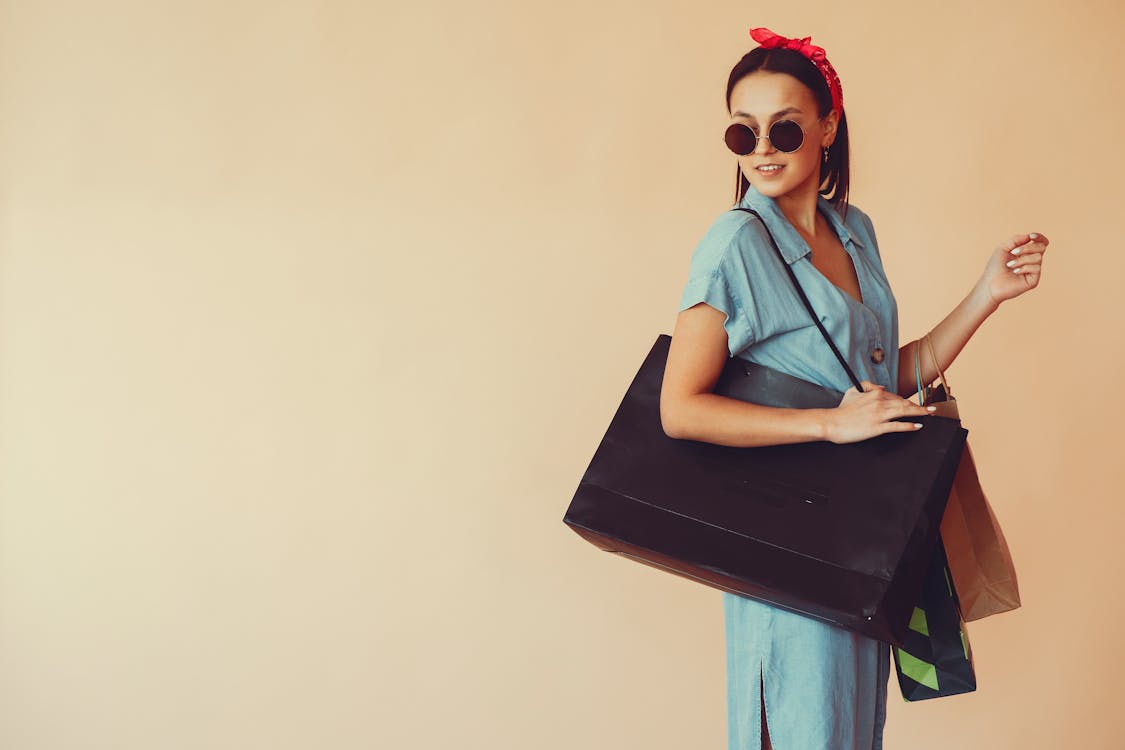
(864, 415)
(1014, 267)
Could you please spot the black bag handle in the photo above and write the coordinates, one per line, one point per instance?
(808, 305)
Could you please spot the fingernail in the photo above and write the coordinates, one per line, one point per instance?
(931, 408)
(1016, 251)
(918, 425)
(1011, 263)
(1017, 270)
(1033, 235)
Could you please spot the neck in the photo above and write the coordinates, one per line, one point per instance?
(799, 206)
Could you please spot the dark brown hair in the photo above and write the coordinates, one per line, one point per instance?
(834, 176)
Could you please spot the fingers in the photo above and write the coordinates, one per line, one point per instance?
(904, 408)
(1016, 240)
(903, 426)
(881, 412)
(1028, 264)
(1028, 260)
(1024, 259)
(1028, 249)
(1023, 251)
(1023, 254)
(893, 405)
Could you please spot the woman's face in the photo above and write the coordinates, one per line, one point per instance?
(760, 99)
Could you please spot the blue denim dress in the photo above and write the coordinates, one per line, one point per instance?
(825, 688)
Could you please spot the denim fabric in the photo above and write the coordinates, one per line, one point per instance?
(825, 687)
(734, 269)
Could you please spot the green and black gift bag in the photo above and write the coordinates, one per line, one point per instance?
(936, 659)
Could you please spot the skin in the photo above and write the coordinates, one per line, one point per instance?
(699, 349)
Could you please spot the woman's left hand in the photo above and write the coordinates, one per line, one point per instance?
(1009, 274)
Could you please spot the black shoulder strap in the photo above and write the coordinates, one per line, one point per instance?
(808, 305)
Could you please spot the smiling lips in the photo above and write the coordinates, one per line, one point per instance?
(770, 168)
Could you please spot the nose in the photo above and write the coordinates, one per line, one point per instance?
(763, 146)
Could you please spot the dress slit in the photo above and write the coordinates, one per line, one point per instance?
(766, 740)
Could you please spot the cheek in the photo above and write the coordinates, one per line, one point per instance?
(806, 159)
(808, 151)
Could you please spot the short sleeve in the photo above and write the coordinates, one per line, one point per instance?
(718, 277)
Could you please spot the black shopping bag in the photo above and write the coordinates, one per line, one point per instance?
(842, 533)
(936, 660)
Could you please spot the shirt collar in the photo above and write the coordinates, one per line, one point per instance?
(792, 245)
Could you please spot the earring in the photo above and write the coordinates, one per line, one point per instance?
(825, 154)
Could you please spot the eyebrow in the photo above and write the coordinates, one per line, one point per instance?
(785, 111)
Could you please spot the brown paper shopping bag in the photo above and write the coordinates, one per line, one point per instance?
(980, 563)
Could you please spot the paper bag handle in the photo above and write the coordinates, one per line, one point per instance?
(923, 394)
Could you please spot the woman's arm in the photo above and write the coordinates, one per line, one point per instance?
(690, 410)
(1013, 268)
(948, 337)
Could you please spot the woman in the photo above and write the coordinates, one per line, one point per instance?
(799, 682)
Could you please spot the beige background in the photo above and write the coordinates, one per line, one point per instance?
(313, 314)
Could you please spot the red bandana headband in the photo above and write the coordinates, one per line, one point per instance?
(770, 40)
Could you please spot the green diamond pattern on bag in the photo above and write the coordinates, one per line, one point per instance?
(936, 659)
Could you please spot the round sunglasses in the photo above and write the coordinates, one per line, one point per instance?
(785, 135)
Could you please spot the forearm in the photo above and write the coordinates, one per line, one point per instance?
(712, 418)
(948, 338)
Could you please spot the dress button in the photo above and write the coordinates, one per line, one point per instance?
(877, 355)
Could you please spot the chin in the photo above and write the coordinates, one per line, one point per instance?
(772, 189)
(775, 188)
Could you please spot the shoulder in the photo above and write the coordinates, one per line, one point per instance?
(720, 275)
(726, 237)
(860, 223)
(857, 218)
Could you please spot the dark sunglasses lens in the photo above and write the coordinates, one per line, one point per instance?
(740, 139)
(786, 135)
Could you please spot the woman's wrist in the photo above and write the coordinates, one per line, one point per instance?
(981, 301)
(822, 422)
